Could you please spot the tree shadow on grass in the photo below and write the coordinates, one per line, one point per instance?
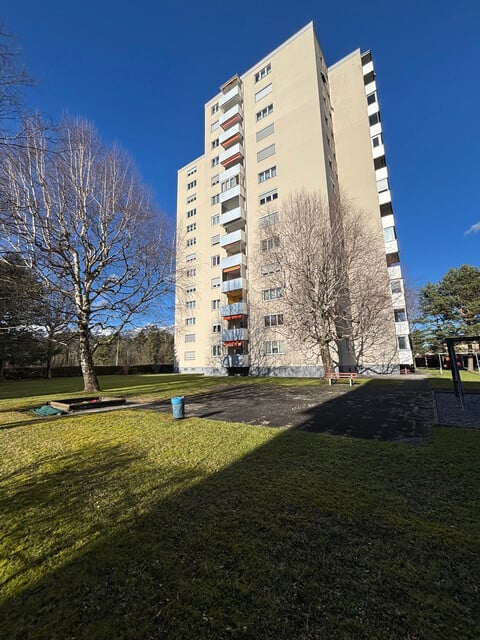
(308, 536)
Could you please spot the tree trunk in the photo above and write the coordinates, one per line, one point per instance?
(90, 382)
(2, 369)
(326, 359)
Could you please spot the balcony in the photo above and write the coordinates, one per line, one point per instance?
(234, 192)
(391, 246)
(375, 129)
(235, 360)
(233, 154)
(379, 151)
(233, 215)
(235, 284)
(369, 88)
(237, 334)
(235, 309)
(402, 328)
(237, 260)
(231, 136)
(384, 197)
(394, 272)
(230, 99)
(231, 117)
(232, 238)
(367, 68)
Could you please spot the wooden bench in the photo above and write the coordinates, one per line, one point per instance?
(350, 376)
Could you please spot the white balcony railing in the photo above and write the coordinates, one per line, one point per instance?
(232, 238)
(234, 334)
(230, 216)
(231, 113)
(231, 152)
(235, 360)
(235, 284)
(237, 260)
(235, 309)
(230, 98)
(234, 192)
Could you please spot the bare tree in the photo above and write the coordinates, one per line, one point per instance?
(77, 209)
(326, 266)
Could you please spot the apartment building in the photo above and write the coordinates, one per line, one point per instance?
(289, 123)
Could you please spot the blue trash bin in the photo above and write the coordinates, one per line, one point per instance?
(178, 407)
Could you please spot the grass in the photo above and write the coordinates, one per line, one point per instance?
(132, 525)
(443, 381)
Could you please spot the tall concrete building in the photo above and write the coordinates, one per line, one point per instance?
(289, 123)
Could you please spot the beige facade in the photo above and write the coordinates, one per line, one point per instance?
(287, 125)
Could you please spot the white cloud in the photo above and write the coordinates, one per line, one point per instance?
(475, 228)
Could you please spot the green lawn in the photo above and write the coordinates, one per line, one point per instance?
(132, 525)
(443, 381)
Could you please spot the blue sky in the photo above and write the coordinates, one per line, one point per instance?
(141, 71)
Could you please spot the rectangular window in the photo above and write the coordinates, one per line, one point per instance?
(191, 199)
(371, 99)
(275, 320)
(215, 261)
(272, 294)
(215, 219)
(192, 184)
(403, 342)
(270, 243)
(267, 174)
(263, 113)
(191, 273)
(215, 143)
(191, 242)
(393, 259)
(216, 350)
(191, 227)
(389, 234)
(215, 283)
(230, 183)
(263, 198)
(215, 180)
(267, 131)
(266, 153)
(191, 171)
(189, 355)
(190, 322)
(273, 347)
(216, 327)
(214, 108)
(189, 337)
(396, 286)
(263, 92)
(216, 198)
(215, 240)
(376, 141)
(191, 213)
(268, 269)
(374, 119)
(191, 289)
(400, 315)
(271, 218)
(215, 161)
(215, 304)
(215, 125)
(191, 257)
(190, 304)
(263, 72)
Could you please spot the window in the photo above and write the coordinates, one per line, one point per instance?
(386, 209)
(376, 141)
(268, 269)
(190, 304)
(191, 257)
(215, 304)
(274, 320)
(189, 337)
(371, 99)
(215, 180)
(189, 355)
(263, 92)
(396, 286)
(191, 199)
(215, 261)
(230, 183)
(190, 322)
(191, 289)
(270, 243)
(215, 219)
(216, 327)
(400, 315)
(402, 342)
(389, 234)
(215, 240)
(215, 143)
(216, 350)
(191, 213)
(272, 294)
(192, 184)
(263, 113)
(215, 283)
(215, 125)
(374, 119)
(274, 346)
(216, 198)
(190, 273)
(214, 108)
(215, 161)
(267, 131)
(191, 227)
(268, 196)
(266, 153)
(271, 218)
(380, 163)
(191, 171)
(191, 242)
(267, 174)
(263, 72)
(393, 259)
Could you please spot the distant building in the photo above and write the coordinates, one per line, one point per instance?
(288, 123)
